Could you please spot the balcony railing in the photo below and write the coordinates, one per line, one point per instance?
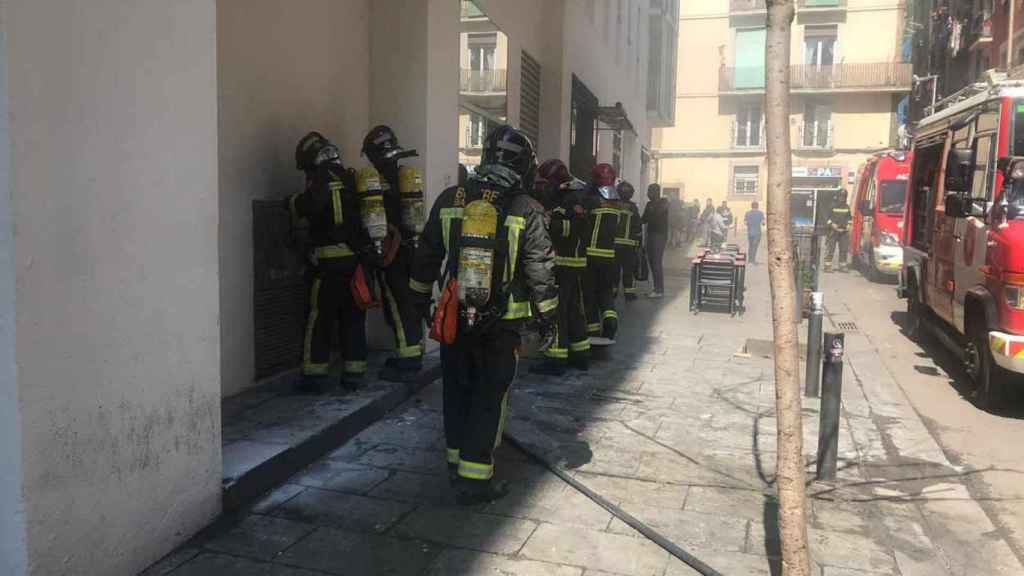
(743, 138)
(814, 136)
(809, 78)
(484, 81)
(746, 5)
(821, 4)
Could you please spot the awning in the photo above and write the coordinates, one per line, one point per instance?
(615, 118)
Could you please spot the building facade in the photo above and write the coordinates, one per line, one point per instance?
(141, 146)
(849, 74)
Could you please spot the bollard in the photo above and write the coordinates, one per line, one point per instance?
(812, 376)
(831, 400)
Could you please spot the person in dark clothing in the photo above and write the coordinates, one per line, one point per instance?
(567, 226)
(627, 241)
(838, 233)
(656, 219)
(601, 202)
(405, 222)
(501, 264)
(754, 220)
(337, 239)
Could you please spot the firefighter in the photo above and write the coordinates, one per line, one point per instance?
(329, 205)
(838, 232)
(627, 241)
(499, 275)
(602, 208)
(402, 189)
(567, 225)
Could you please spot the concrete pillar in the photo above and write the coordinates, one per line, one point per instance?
(414, 81)
(109, 371)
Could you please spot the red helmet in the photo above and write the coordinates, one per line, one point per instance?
(603, 175)
(555, 171)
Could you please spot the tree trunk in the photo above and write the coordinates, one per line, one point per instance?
(790, 473)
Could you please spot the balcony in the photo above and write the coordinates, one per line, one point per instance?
(814, 137)
(868, 77)
(483, 81)
(741, 6)
(820, 5)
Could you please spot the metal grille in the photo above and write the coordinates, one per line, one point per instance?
(529, 110)
(280, 297)
(847, 326)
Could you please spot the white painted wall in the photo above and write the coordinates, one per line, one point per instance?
(284, 68)
(13, 553)
(113, 139)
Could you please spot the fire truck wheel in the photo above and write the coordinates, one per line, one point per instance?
(988, 377)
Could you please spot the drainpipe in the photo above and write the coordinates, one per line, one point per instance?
(1009, 36)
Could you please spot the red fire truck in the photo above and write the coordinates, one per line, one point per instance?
(963, 262)
(876, 235)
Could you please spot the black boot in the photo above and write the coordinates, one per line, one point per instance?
(352, 382)
(402, 370)
(474, 492)
(549, 367)
(580, 362)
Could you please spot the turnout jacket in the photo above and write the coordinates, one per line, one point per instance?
(602, 224)
(631, 226)
(331, 207)
(568, 228)
(529, 259)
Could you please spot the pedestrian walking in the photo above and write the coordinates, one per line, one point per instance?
(726, 213)
(716, 230)
(602, 206)
(677, 221)
(627, 241)
(502, 276)
(754, 221)
(655, 218)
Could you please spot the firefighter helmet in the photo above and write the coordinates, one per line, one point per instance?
(603, 175)
(554, 171)
(508, 147)
(313, 150)
(381, 145)
(626, 190)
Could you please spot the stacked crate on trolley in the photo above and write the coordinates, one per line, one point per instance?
(717, 280)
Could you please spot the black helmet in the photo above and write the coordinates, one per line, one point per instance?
(508, 147)
(626, 190)
(381, 145)
(313, 150)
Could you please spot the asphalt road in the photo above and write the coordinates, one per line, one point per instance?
(988, 446)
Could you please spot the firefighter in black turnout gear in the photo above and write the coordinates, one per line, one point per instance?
(563, 197)
(329, 204)
(627, 241)
(402, 189)
(838, 232)
(602, 206)
(501, 265)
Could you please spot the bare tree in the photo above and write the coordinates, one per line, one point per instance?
(790, 476)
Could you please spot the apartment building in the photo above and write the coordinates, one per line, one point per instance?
(144, 147)
(848, 78)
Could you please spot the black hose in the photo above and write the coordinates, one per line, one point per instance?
(644, 529)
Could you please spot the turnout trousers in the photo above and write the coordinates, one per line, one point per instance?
(599, 295)
(399, 310)
(841, 239)
(331, 304)
(572, 338)
(477, 372)
(625, 260)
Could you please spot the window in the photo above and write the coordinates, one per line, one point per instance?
(820, 46)
(475, 131)
(892, 197)
(817, 125)
(748, 126)
(744, 180)
(984, 167)
(750, 58)
(481, 51)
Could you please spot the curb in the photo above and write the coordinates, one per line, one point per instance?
(247, 488)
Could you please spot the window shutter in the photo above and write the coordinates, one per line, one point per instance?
(529, 108)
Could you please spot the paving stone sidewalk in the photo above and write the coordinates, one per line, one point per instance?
(677, 427)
